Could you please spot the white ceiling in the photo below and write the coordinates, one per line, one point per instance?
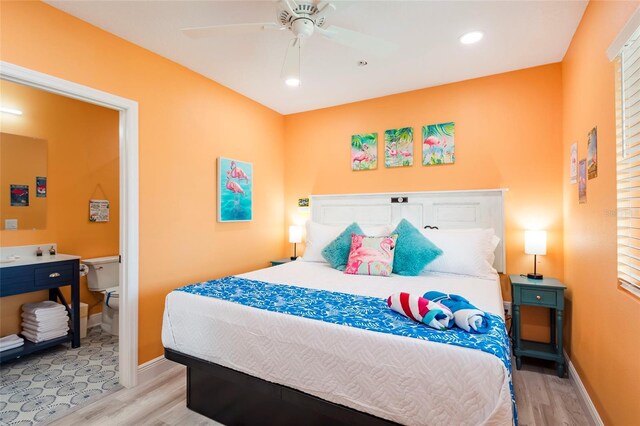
(518, 34)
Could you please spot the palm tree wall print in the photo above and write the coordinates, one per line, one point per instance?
(398, 147)
(437, 144)
(364, 151)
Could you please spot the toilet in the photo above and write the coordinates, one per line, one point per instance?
(104, 276)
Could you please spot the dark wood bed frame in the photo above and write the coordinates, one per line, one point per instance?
(234, 398)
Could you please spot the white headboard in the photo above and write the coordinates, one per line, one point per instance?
(445, 209)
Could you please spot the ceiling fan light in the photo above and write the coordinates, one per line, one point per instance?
(471, 37)
(292, 81)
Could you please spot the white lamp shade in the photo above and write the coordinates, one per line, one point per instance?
(535, 242)
(295, 234)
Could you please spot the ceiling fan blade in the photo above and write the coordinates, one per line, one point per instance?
(202, 32)
(366, 43)
(291, 65)
(289, 6)
(324, 9)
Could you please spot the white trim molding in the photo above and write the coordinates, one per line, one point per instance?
(623, 36)
(582, 392)
(152, 369)
(94, 320)
(128, 198)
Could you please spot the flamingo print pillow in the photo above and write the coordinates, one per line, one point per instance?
(371, 255)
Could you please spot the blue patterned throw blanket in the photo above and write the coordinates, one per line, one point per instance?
(363, 312)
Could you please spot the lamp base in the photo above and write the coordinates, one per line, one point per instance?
(293, 257)
(535, 276)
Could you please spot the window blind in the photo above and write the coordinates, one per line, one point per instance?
(628, 163)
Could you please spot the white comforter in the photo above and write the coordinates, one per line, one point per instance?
(405, 380)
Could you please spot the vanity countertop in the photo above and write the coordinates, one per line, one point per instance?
(34, 260)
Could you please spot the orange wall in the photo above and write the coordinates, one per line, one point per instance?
(605, 321)
(22, 159)
(508, 135)
(186, 121)
(82, 143)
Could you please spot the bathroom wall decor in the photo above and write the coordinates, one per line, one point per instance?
(592, 153)
(41, 187)
(573, 163)
(398, 147)
(235, 190)
(98, 210)
(582, 181)
(19, 195)
(364, 151)
(438, 144)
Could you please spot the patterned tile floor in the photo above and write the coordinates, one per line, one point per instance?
(41, 387)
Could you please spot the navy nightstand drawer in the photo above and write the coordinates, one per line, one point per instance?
(539, 297)
(53, 276)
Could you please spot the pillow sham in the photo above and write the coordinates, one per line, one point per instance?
(465, 252)
(414, 251)
(371, 255)
(337, 251)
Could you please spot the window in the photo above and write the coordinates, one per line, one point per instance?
(628, 162)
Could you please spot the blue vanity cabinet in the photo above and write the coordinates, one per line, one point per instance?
(50, 275)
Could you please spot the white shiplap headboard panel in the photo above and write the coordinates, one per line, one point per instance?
(444, 209)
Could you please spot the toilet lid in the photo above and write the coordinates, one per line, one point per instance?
(113, 291)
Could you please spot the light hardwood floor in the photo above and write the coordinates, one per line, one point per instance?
(542, 399)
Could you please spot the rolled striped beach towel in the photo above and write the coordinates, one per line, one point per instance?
(421, 310)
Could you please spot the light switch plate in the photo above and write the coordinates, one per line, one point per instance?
(11, 224)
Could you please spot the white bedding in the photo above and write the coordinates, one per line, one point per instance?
(405, 380)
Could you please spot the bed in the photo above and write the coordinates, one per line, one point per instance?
(256, 366)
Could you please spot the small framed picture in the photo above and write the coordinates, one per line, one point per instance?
(19, 195)
(98, 210)
(592, 153)
(582, 181)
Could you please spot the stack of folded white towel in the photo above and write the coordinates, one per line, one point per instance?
(10, 342)
(44, 321)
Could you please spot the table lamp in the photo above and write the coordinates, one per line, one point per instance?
(535, 243)
(295, 236)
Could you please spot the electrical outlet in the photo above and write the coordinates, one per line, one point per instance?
(507, 307)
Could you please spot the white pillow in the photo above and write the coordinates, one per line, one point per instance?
(465, 251)
(319, 236)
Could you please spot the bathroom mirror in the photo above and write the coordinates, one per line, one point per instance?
(23, 182)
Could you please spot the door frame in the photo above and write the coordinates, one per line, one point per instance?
(129, 194)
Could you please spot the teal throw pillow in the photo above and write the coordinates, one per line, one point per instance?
(413, 250)
(337, 251)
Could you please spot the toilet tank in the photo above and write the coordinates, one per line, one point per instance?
(103, 272)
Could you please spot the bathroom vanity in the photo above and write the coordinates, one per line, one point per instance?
(27, 273)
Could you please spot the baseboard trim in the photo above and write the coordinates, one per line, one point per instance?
(152, 369)
(582, 392)
(95, 319)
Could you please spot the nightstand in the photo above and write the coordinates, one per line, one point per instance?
(280, 261)
(546, 293)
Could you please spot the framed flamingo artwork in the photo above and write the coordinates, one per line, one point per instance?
(398, 147)
(437, 144)
(235, 190)
(364, 151)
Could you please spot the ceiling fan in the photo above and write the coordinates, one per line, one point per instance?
(303, 19)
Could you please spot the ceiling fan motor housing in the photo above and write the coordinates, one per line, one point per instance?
(302, 27)
(303, 10)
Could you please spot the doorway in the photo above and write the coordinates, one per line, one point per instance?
(128, 200)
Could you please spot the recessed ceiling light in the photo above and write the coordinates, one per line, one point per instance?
(11, 111)
(293, 82)
(471, 37)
